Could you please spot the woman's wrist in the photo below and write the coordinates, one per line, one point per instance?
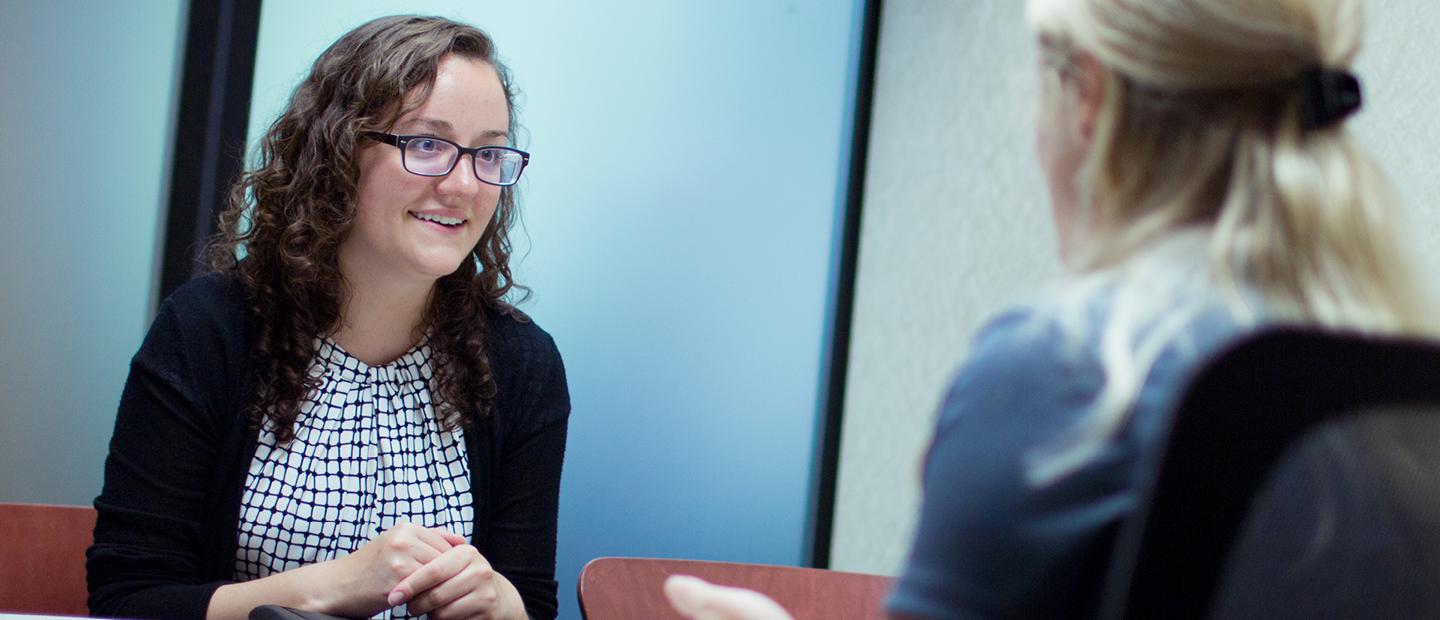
(512, 605)
(312, 588)
(325, 586)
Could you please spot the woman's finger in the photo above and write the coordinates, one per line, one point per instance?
(452, 538)
(474, 579)
(472, 605)
(436, 539)
(435, 572)
(408, 542)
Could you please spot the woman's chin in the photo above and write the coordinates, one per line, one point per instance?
(439, 273)
(436, 267)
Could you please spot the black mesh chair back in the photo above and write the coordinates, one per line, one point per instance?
(1300, 478)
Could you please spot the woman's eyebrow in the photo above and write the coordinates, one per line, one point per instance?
(439, 126)
(433, 124)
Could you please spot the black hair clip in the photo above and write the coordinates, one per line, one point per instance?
(1327, 96)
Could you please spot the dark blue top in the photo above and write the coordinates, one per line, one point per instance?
(992, 543)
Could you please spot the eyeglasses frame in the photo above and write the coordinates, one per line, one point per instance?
(399, 142)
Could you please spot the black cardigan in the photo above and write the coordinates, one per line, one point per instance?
(169, 511)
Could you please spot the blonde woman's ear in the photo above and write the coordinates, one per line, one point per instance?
(1090, 83)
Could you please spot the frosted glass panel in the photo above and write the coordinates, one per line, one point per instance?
(85, 117)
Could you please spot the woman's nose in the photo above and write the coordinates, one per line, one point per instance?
(462, 179)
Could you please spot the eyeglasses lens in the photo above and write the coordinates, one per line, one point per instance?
(429, 157)
(498, 166)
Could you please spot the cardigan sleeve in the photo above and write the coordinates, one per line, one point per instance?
(146, 560)
(531, 453)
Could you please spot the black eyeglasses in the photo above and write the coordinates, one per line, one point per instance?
(429, 156)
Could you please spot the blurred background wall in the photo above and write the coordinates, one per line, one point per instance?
(85, 111)
(955, 224)
(954, 227)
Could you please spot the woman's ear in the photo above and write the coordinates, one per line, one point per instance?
(1090, 84)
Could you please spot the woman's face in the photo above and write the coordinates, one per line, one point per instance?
(396, 233)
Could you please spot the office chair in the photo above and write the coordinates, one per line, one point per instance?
(42, 558)
(1300, 478)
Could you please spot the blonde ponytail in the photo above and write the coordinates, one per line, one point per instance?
(1203, 133)
(1202, 124)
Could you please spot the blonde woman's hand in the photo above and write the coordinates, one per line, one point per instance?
(697, 599)
(459, 584)
(362, 581)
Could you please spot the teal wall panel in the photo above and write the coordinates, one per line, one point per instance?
(84, 123)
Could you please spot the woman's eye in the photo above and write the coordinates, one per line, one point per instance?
(428, 145)
(488, 155)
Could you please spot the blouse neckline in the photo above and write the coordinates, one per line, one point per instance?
(333, 360)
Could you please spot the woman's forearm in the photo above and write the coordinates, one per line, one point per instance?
(311, 588)
(355, 585)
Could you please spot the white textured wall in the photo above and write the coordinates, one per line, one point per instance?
(1400, 123)
(955, 227)
(955, 223)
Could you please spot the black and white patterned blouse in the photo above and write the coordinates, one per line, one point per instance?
(367, 454)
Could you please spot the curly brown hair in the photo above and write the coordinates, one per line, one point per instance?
(281, 233)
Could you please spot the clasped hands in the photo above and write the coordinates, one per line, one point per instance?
(439, 573)
(434, 571)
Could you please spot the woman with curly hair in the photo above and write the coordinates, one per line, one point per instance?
(347, 416)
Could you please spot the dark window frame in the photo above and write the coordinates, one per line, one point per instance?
(209, 133)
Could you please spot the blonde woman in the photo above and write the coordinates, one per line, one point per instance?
(1202, 183)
